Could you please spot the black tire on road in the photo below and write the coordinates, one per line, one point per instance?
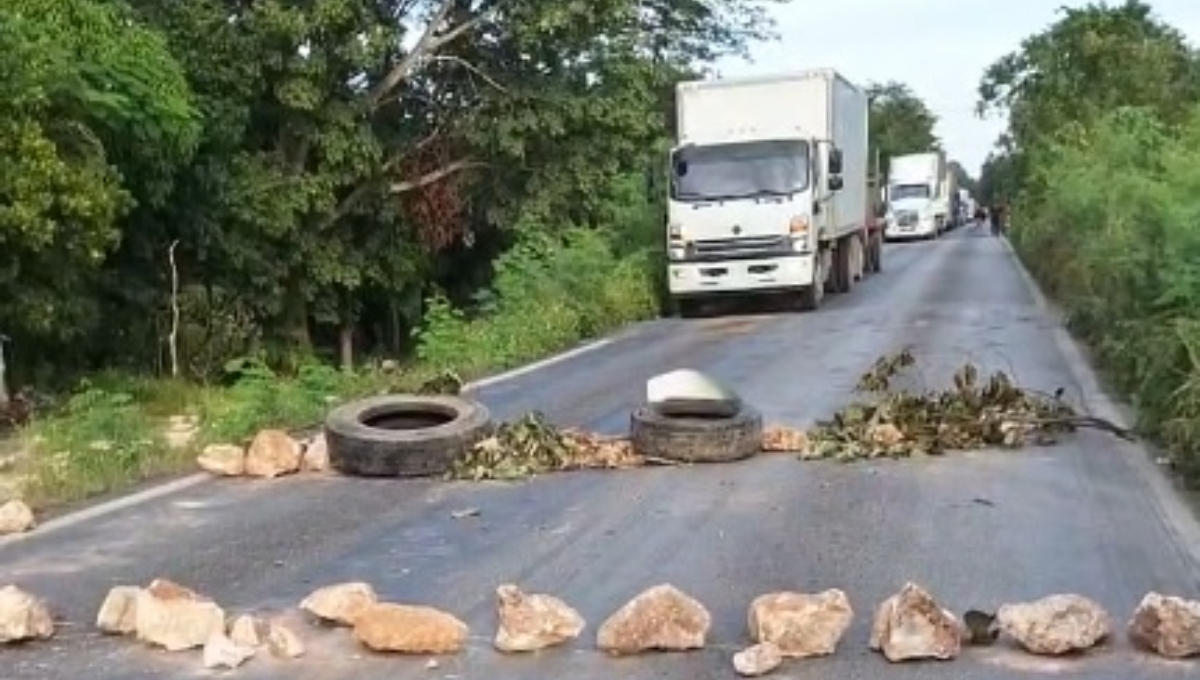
(399, 435)
(690, 308)
(809, 299)
(841, 276)
(696, 439)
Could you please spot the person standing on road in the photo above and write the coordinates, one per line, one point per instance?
(997, 218)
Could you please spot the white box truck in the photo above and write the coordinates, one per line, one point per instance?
(919, 189)
(948, 205)
(768, 189)
(966, 206)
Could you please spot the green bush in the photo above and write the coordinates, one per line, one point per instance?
(261, 398)
(553, 289)
(1113, 233)
(98, 442)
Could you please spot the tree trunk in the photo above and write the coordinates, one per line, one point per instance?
(4, 394)
(346, 345)
(396, 339)
(296, 316)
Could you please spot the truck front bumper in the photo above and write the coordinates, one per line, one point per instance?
(923, 228)
(762, 275)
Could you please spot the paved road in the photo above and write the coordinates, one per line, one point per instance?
(1087, 516)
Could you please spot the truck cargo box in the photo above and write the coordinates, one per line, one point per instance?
(817, 103)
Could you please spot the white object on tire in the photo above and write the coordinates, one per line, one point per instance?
(689, 390)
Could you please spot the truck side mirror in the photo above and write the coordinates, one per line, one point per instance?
(835, 161)
(835, 183)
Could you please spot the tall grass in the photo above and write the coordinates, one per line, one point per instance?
(1113, 233)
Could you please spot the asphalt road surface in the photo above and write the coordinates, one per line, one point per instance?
(1091, 516)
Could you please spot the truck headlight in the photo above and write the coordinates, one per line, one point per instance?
(676, 252)
(798, 231)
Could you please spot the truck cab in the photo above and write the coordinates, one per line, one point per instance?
(911, 211)
(744, 199)
(916, 197)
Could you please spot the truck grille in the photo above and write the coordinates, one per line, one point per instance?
(906, 218)
(741, 248)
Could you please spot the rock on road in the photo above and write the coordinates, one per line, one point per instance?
(1091, 515)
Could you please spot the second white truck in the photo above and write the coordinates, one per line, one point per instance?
(920, 187)
(768, 189)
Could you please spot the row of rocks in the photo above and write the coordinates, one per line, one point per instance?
(163, 614)
(167, 615)
(909, 625)
(272, 453)
(661, 618)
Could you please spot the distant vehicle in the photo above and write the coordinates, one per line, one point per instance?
(769, 190)
(949, 190)
(919, 194)
(966, 206)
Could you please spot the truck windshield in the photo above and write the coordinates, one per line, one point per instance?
(902, 191)
(740, 170)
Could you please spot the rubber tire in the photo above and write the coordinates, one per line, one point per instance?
(696, 440)
(361, 450)
(690, 308)
(858, 258)
(841, 275)
(833, 285)
(809, 299)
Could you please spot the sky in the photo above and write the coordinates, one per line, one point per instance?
(940, 48)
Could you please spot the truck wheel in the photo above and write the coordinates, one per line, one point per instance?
(696, 438)
(858, 258)
(689, 309)
(398, 435)
(842, 276)
(811, 297)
